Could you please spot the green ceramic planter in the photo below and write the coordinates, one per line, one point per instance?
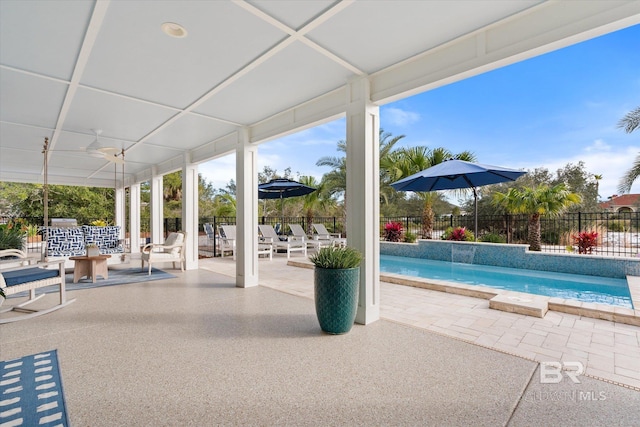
(336, 295)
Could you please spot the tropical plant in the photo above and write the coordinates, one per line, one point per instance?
(630, 122)
(409, 237)
(336, 258)
(393, 231)
(316, 200)
(459, 234)
(335, 181)
(12, 235)
(585, 241)
(535, 202)
(493, 238)
(405, 162)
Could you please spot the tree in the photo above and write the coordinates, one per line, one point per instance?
(630, 123)
(315, 200)
(407, 161)
(541, 200)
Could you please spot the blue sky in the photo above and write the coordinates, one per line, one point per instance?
(558, 108)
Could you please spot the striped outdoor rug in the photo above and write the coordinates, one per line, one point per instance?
(31, 391)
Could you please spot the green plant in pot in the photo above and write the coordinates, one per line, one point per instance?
(336, 286)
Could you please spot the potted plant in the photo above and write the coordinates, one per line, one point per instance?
(336, 285)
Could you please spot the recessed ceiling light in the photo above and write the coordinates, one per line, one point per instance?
(174, 30)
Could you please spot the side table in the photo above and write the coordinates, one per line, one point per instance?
(90, 266)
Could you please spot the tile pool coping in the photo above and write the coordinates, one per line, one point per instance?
(520, 302)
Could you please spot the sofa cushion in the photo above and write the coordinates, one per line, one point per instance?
(65, 241)
(106, 238)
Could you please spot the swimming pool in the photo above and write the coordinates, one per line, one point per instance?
(602, 290)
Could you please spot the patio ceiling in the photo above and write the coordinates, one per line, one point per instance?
(68, 67)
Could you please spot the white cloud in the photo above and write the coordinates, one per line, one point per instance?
(398, 117)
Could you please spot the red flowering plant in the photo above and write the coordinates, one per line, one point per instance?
(585, 241)
(460, 234)
(393, 231)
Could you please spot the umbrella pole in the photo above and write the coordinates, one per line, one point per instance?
(475, 212)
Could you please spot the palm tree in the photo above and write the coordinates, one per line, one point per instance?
(407, 161)
(597, 178)
(535, 202)
(335, 181)
(630, 123)
(314, 201)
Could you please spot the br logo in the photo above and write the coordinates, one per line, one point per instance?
(552, 372)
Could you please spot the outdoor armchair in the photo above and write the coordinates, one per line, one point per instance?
(172, 250)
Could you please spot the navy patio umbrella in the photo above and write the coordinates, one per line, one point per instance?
(455, 175)
(282, 188)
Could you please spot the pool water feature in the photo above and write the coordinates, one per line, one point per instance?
(603, 290)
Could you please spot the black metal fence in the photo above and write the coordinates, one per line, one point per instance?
(618, 233)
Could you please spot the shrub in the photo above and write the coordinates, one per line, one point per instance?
(12, 235)
(618, 225)
(409, 237)
(493, 238)
(336, 258)
(586, 241)
(393, 231)
(460, 234)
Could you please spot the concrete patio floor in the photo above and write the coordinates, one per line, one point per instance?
(196, 350)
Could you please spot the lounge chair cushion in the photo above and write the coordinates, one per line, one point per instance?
(18, 277)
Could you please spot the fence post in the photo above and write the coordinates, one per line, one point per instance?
(215, 240)
(334, 224)
(579, 222)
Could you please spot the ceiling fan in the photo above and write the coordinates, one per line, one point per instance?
(100, 149)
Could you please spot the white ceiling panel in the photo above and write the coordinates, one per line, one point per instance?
(43, 36)
(148, 154)
(190, 131)
(294, 14)
(292, 76)
(377, 34)
(174, 71)
(118, 117)
(30, 100)
(27, 138)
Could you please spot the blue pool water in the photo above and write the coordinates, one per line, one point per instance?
(602, 290)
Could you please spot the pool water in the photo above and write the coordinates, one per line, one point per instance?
(603, 290)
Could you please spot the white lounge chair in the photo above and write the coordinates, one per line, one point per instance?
(322, 234)
(299, 234)
(270, 236)
(228, 240)
(172, 250)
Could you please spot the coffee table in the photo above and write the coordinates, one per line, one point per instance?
(90, 266)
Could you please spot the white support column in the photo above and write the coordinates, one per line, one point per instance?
(247, 212)
(363, 194)
(120, 195)
(190, 211)
(157, 206)
(134, 218)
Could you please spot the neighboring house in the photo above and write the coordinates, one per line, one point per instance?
(624, 203)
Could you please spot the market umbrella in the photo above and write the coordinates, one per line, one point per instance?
(457, 174)
(282, 188)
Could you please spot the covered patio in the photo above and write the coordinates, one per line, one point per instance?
(174, 84)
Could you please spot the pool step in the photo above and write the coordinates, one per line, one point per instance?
(536, 307)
